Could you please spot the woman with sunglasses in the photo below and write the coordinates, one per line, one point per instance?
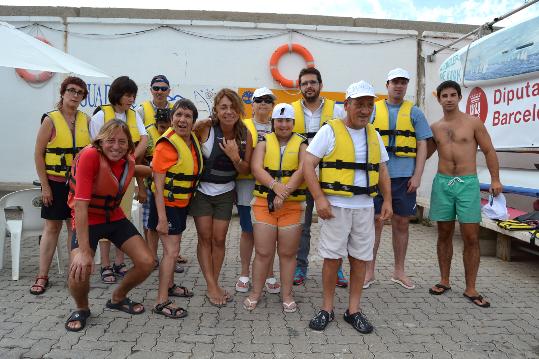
(226, 148)
(263, 101)
(278, 207)
(62, 134)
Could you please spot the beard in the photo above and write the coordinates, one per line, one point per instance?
(311, 97)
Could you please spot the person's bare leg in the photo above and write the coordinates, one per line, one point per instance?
(265, 238)
(246, 252)
(370, 266)
(220, 229)
(171, 248)
(104, 248)
(287, 247)
(49, 241)
(204, 226)
(399, 228)
(329, 278)
(471, 257)
(444, 249)
(153, 242)
(79, 290)
(357, 276)
(137, 249)
(69, 227)
(119, 256)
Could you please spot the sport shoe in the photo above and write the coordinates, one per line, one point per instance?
(321, 320)
(300, 275)
(359, 321)
(341, 279)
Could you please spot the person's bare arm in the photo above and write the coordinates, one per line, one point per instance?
(323, 207)
(201, 126)
(485, 144)
(82, 263)
(140, 150)
(162, 224)
(384, 183)
(420, 159)
(431, 142)
(43, 136)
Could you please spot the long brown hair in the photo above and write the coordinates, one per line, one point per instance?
(71, 80)
(106, 132)
(240, 131)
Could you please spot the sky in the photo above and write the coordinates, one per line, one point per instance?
(475, 12)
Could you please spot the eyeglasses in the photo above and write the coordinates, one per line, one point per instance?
(160, 88)
(307, 83)
(265, 100)
(74, 92)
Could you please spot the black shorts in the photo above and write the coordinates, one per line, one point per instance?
(176, 216)
(58, 210)
(118, 232)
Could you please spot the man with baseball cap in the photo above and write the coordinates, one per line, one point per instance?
(351, 157)
(404, 130)
(311, 111)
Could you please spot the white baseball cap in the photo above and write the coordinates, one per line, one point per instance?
(398, 72)
(360, 89)
(263, 91)
(283, 110)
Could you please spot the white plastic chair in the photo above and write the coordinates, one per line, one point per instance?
(30, 225)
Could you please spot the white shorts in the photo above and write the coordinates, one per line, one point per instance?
(349, 233)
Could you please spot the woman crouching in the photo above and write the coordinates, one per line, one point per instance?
(98, 182)
(177, 164)
(278, 207)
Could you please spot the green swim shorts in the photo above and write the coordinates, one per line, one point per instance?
(455, 198)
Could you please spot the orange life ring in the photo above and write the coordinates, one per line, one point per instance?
(35, 77)
(277, 54)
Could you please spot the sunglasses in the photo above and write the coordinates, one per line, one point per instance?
(265, 100)
(74, 92)
(160, 88)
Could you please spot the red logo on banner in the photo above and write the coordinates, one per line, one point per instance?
(477, 104)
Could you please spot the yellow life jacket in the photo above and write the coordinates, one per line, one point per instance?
(404, 132)
(250, 124)
(282, 167)
(337, 170)
(149, 121)
(65, 145)
(131, 121)
(299, 120)
(514, 225)
(180, 179)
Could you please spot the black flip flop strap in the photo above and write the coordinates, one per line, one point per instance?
(162, 306)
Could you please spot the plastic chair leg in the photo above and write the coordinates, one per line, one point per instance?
(2, 244)
(15, 228)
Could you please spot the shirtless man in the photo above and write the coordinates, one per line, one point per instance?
(455, 188)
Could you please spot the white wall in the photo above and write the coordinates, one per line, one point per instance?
(196, 66)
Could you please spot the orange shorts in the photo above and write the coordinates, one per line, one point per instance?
(291, 214)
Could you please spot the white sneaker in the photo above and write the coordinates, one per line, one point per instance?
(242, 285)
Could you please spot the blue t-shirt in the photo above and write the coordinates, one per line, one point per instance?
(405, 166)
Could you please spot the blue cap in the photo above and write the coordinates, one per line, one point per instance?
(159, 78)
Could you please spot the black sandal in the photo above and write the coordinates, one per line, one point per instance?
(439, 286)
(476, 298)
(120, 269)
(107, 272)
(77, 316)
(321, 320)
(186, 292)
(160, 309)
(126, 305)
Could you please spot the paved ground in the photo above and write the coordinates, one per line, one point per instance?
(409, 324)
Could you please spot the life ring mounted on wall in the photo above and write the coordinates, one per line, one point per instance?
(36, 77)
(276, 56)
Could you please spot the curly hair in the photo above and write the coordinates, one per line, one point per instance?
(71, 80)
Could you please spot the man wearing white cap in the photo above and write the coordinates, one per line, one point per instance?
(404, 130)
(263, 101)
(351, 157)
(310, 113)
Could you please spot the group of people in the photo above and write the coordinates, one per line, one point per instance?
(359, 165)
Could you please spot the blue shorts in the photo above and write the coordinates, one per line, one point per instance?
(176, 217)
(146, 208)
(404, 203)
(246, 222)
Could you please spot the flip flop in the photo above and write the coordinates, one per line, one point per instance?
(475, 298)
(126, 305)
(369, 283)
(398, 281)
(290, 307)
(439, 286)
(249, 304)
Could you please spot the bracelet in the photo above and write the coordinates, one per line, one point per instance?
(272, 184)
(238, 162)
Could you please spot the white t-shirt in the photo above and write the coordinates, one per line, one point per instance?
(98, 120)
(312, 118)
(322, 145)
(210, 188)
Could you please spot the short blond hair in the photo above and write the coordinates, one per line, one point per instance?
(106, 132)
